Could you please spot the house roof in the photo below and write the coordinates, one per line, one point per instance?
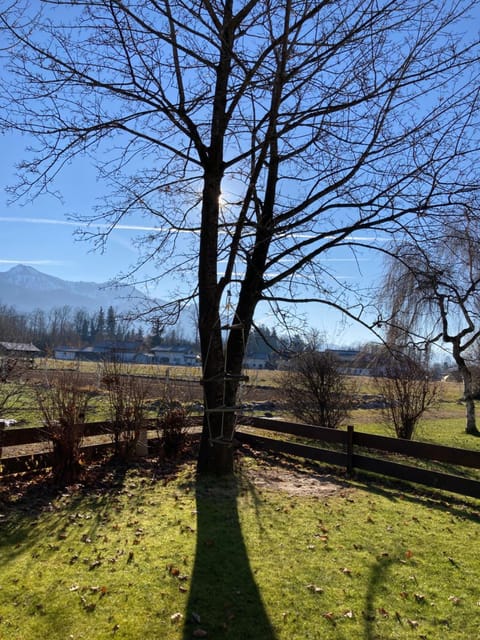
(20, 346)
(174, 348)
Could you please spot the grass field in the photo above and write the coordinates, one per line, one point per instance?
(151, 553)
(142, 555)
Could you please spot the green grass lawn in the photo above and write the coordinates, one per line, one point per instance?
(137, 554)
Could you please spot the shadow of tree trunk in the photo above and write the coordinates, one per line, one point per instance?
(224, 599)
(378, 577)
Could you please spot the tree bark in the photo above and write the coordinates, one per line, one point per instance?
(471, 425)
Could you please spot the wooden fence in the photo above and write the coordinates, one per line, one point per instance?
(350, 449)
(356, 450)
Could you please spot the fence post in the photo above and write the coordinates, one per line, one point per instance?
(350, 449)
(141, 446)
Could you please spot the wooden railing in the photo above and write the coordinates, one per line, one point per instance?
(355, 450)
(350, 449)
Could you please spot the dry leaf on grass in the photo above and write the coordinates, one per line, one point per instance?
(176, 617)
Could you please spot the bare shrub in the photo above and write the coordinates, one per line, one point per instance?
(128, 404)
(408, 391)
(172, 427)
(63, 403)
(316, 391)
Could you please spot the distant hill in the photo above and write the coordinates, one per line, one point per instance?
(27, 289)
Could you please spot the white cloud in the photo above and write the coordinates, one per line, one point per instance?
(35, 262)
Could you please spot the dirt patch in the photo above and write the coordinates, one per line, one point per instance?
(278, 473)
(295, 484)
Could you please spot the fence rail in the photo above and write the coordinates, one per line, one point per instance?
(352, 450)
(361, 451)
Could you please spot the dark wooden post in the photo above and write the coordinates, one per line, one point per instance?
(350, 450)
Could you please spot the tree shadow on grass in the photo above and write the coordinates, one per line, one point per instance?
(34, 511)
(224, 598)
(378, 577)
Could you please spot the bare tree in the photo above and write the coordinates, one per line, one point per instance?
(432, 294)
(408, 391)
(316, 390)
(13, 325)
(260, 136)
(63, 401)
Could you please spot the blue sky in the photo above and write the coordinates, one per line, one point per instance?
(41, 234)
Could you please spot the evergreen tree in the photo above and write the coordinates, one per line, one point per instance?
(111, 327)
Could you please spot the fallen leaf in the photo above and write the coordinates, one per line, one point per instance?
(455, 600)
(408, 554)
(412, 623)
(347, 572)
(314, 589)
(200, 633)
(348, 614)
(329, 616)
(176, 617)
(419, 597)
(383, 612)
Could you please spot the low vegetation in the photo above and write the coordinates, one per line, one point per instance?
(145, 554)
(316, 391)
(280, 552)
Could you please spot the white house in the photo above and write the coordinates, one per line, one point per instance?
(19, 350)
(182, 355)
(66, 353)
(256, 361)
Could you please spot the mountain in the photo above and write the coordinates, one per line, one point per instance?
(27, 289)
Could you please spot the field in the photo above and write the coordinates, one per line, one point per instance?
(283, 551)
(443, 424)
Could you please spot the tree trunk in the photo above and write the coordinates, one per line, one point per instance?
(471, 426)
(214, 455)
(222, 376)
